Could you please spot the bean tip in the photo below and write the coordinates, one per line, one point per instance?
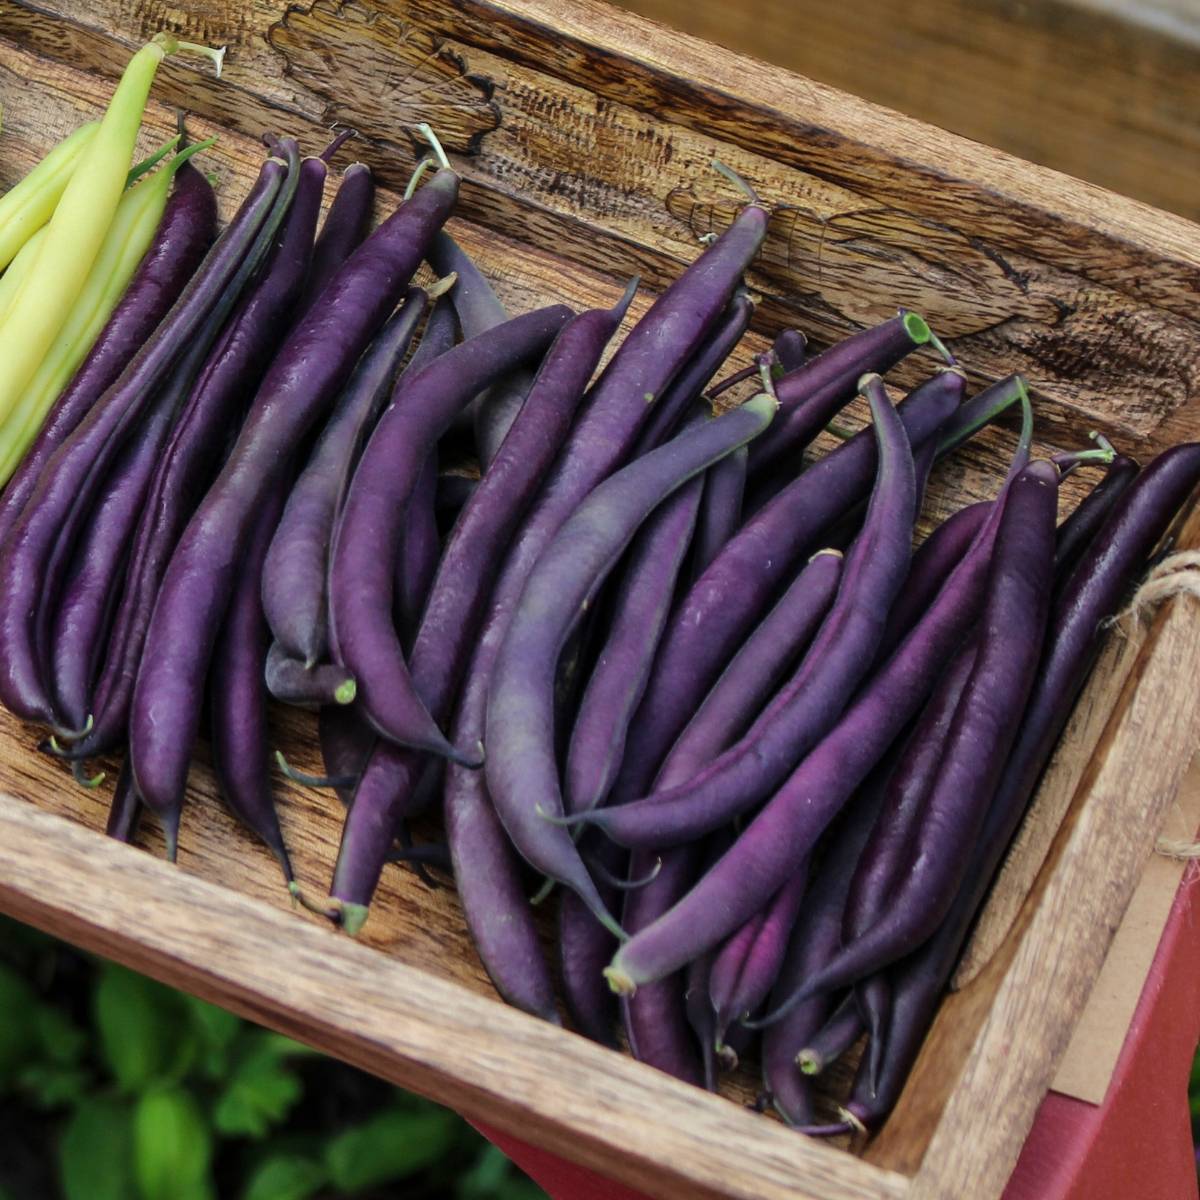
(351, 917)
(619, 981)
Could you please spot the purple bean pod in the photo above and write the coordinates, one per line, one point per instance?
(455, 608)
(840, 1031)
(812, 396)
(238, 698)
(743, 975)
(343, 230)
(346, 743)
(362, 562)
(126, 809)
(184, 235)
(729, 599)
(804, 709)
(36, 551)
(720, 513)
(304, 378)
(291, 681)
(641, 604)
(295, 588)
(1075, 534)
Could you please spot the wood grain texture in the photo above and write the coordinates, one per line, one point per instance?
(1105, 91)
(607, 127)
(598, 166)
(410, 1026)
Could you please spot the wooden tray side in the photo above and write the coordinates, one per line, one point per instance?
(606, 124)
(527, 1077)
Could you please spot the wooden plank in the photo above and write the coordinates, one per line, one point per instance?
(414, 1028)
(1105, 91)
(1010, 1026)
(605, 133)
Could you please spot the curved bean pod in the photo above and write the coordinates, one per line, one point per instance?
(36, 550)
(361, 569)
(729, 599)
(640, 607)
(720, 509)
(126, 808)
(521, 772)
(292, 682)
(346, 743)
(812, 396)
(238, 699)
(303, 379)
(977, 743)
(456, 604)
(1076, 532)
(295, 575)
(843, 1028)
(811, 701)
(343, 230)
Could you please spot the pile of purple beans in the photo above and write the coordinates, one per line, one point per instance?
(771, 756)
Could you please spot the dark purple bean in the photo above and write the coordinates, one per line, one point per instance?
(192, 457)
(935, 558)
(760, 860)
(800, 714)
(585, 946)
(730, 598)
(1076, 532)
(694, 376)
(816, 935)
(479, 309)
(344, 228)
(641, 603)
(80, 626)
(522, 775)
(791, 349)
(186, 231)
(37, 548)
(842, 1029)
(126, 809)
(238, 698)
(812, 396)
(346, 743)
(362, 570)
(1012, 629)
(1093, 592)
(700, 1015)
(888, 850)
(292, 682)
(487, 875)
(457, 599)
(757, 669)
(720, 510)
(747, 966)
(419, 545)
(295, 576)
(305, 376)
(656, 1022)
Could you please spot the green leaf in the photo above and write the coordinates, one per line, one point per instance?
(285, 1177)
(18, 1015)
(392, 1145)
(259, 1095)
(143, 1029)
(216, 1026)
(62, 1041)
(95, 1154)
(49, 1086)
(172, 1147)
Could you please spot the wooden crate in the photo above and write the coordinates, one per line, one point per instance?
(584, 137)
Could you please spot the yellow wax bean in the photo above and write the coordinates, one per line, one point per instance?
(18, 271)
(77, 228)
(128, 238)
(28, 205)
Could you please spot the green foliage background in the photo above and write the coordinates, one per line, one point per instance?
(113, 1087)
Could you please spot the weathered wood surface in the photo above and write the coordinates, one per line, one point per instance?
(567, 192)
(411, 1026)
(1109, 91)
(607, 124)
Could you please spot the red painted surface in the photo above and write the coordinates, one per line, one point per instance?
(1137, 1145)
